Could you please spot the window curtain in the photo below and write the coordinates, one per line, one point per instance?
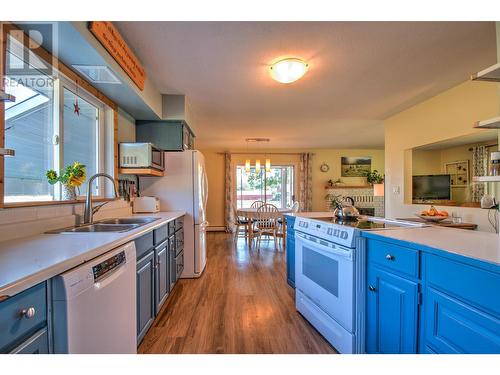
(479, 168)
(305, 182)
(228, 194)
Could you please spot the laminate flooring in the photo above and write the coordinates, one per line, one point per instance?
(241, 304)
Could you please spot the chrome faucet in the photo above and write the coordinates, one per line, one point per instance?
(88, 213)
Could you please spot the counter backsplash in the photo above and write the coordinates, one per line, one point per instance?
(28, 221)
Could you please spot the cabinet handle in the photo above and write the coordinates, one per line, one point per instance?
(389, 257)
(28, 313)
(372, 288)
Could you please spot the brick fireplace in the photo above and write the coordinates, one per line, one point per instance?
(363, 198)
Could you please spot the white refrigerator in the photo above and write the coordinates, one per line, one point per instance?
(184, 188)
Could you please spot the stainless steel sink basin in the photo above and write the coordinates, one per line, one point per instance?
(96, 228)
(109, 225)
(104, 228)
(129, 220)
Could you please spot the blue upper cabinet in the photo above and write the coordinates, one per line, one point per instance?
(290, 250)
(392, 313)
(168, 135)
(443, 302)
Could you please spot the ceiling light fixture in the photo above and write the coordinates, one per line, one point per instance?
(257, 166)
(288, 70)
(247, 165)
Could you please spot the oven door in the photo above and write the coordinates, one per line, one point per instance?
(324, 272)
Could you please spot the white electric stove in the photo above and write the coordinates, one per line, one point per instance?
(330, 276)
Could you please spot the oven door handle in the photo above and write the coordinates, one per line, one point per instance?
(333, 251)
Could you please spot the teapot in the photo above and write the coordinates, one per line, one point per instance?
(345, 211)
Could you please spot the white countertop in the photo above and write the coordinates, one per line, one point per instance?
(478, 245)
(312, 214)
(27, 261)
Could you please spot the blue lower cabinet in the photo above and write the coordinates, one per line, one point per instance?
(22, 316)
(452, 326)
(172, 249)
(162, 277)
(36, 344)
(145, 282)
(290, 250)
(392, 313)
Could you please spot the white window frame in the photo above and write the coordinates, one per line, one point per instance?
(105, 138)
(65, 83)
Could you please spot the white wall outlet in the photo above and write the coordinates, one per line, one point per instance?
(396, 190)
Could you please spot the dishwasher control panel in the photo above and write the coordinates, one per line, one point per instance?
(109, 265)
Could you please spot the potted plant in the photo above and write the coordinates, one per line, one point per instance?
(374, 177)
(71, 177)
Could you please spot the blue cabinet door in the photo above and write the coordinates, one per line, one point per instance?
(453, 326)
(162, 277)
(392, 313)
(290, 250)
(172, 251)
(145, 279)
(36, 344)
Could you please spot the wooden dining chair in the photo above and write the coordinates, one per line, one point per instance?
(239, 223)
(257, 204)
(267, 223)
(281, 222)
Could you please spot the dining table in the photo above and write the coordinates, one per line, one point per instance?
(251, 214)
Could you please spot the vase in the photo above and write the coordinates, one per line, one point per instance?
(69, 193)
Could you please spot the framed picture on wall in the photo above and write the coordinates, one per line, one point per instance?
(356, 166)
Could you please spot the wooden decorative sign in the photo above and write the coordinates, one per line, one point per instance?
(108, 35)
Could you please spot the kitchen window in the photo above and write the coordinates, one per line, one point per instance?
(53, 122)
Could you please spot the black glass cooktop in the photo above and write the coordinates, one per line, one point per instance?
(363, 224)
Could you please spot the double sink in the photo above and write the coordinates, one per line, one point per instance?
(109, 225)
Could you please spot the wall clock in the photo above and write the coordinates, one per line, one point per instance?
(324, 167)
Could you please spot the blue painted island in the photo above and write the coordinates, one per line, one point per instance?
(432, 290)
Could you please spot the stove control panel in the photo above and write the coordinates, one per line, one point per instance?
(336, 233)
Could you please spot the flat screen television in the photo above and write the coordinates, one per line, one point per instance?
(430, 187)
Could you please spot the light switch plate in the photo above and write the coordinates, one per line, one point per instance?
(396, 190)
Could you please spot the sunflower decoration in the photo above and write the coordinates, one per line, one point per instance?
(72, 175)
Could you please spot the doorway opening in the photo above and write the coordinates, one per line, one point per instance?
(275, 187)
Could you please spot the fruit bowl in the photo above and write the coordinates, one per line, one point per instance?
(434, 219)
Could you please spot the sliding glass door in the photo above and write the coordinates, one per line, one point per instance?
(274, 187)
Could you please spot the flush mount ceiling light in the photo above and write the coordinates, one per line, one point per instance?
(288, 70)
(97, 73)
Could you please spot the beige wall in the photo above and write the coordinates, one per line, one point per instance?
(215, 171)
(426, 162)
(448, 115)
(126, 127)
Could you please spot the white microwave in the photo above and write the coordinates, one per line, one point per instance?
(141, 155)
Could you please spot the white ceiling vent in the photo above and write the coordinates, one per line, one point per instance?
(97, 73)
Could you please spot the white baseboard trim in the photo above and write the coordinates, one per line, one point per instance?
(216, 229)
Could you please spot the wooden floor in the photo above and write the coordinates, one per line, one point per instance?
(241, 304)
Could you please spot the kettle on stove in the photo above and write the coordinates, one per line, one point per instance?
(345, 210)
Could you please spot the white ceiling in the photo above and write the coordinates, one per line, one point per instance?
(359, 74)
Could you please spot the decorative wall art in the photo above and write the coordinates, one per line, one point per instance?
(355, 166)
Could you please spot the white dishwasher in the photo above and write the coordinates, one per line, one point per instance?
(95, 305)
